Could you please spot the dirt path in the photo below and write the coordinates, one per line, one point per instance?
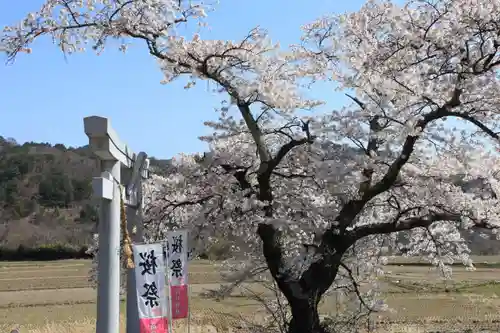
(71, 295)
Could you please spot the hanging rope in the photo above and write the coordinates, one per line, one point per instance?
(126, 240)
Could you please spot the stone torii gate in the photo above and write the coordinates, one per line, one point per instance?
(122, 172)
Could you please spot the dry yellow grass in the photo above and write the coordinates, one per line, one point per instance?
(88, 326)
(42, 304)
(74, 274)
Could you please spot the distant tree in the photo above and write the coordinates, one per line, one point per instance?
(23, 163)
(11, 142)
(9, 172)
(89, 213)
(60, 146)
(9, 193)
(82, 189)
(56, 190)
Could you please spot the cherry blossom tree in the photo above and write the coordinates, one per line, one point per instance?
(315, 194)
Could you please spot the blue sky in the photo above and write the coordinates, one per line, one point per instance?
(44, 98)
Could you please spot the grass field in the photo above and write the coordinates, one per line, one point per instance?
(55, 297)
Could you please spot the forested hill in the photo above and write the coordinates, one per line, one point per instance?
(45, 194)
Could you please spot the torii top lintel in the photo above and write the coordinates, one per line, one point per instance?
(105, 143)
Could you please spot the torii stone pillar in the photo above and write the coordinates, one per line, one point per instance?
(116, 159)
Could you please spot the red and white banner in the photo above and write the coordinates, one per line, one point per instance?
(177, 273)
(150, 285)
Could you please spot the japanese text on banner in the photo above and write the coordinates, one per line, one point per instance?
(177, 257)
(178, 273)
(150, 283)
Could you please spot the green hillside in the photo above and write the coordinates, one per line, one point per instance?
(45, 194)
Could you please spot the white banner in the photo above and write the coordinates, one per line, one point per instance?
(177, 272)
(177, 247)
(150, 283)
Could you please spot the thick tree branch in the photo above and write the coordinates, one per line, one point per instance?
(411, 223)
(267, 167)
(474, 121)
(406, 224)
(240, 174)
(408, 146)
(292, 175)
(371, 151)
(255, 131)
(274, 259)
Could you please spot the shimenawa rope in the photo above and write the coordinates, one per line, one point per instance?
(126, 240)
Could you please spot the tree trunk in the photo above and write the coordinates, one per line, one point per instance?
(305, 317)
(304, 295)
